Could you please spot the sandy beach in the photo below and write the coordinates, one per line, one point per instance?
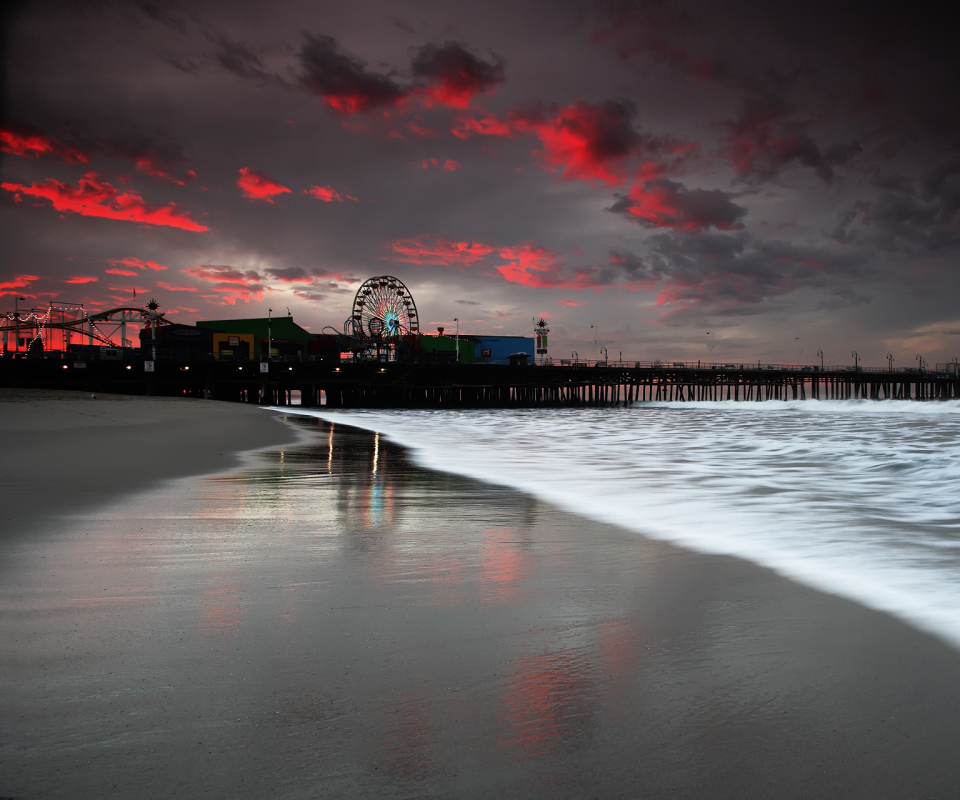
(326, 619)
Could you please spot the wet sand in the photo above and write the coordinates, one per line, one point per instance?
(333, 621)
(63, 451)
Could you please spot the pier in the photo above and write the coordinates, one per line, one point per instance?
(372, 384)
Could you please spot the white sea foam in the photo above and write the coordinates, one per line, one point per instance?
(857, 498)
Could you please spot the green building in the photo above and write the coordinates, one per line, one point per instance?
(442, 349)
(288, 340)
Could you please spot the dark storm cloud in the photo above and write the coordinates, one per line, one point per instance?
(456, 74)
(164, 14)
(667, 204)
(346, 85)
(159, 158)
(762, 141)
(240, 59)
(289, 274)
(739, 274)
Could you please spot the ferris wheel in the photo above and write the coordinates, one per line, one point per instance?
(382, 309)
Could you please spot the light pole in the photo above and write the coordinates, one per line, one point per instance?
(269, 334)
(856, 360)
(457, 320)
(820, 353)
(604, 351)
(797, 340)
(16, 322)
(920, 359)
(889, 362)
(596, 333)
(713, 344)
(575, 357)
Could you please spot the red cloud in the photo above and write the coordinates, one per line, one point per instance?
(32, 143)
(465, 127)
(82, 279)
(420, 250)
(95, 198)
(171, 288)
(585, 141)
(148, 158)
(450, 165)
(425, 133)
(345, 85)
(456, 76)
(572, 303)
(156, 168)
(127, 273)
(666, 204)
(231, 283)
(17, 284)
(532, 265)
(257, 186)
(136, 262)
(328, 194)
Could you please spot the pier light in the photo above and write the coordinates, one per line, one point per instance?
(64, 366)
(129, 367)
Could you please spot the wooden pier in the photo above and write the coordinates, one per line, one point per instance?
(397, 385)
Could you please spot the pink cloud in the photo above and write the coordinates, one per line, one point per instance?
(328, 194)
(82, 279)
(257, 186)
(436, 250)
(136, 262)
(230, 283)
(96, 198)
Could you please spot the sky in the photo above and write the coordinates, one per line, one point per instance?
(669, 180)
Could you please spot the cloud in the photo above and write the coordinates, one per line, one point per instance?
(239, 58)
(762, 141)
(585, 141)
(344, 84)
(667, 204)
(171, 288)
(17, 285)
(735, 273)
(425, 249)
(231, 284)
(32, 143)
(451, 166)
(158, 160)
(82, 279)
(572, 303)
(465, 126)
(290, 274)
(96, 198)
(328, 194)
(136, 262)
(127, 273)
(257, 186)
(455, 75)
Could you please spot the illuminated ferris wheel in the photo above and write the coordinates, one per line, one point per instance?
(383, 309)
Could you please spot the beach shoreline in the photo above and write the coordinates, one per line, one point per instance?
(335, 620)
(63, 451)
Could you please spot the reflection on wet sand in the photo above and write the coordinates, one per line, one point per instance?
(338, 622)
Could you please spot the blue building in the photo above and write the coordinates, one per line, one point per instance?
(498, 349)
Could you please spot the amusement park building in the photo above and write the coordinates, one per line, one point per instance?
(441, 348)
(287, 339)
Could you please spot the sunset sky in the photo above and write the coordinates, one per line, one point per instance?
(785, 176)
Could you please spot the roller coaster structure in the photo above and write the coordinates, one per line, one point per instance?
(66, 320)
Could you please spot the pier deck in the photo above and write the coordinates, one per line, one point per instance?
(398, 385)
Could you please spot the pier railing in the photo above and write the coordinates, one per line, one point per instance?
(404, 385)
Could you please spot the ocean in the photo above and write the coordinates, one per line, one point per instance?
(856, 498)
